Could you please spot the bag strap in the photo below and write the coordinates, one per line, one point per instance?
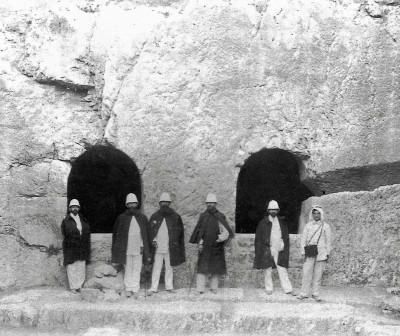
(320, 227)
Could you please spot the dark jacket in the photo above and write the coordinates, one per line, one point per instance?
(212, 258)
(76, 246)
(121, 232)
(262, 243)
(175, 234)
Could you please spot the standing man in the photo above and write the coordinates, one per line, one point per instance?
(272, 248)
(167, 241)
(211, 231)
(316, 247)
(76, 246)
(130, 245)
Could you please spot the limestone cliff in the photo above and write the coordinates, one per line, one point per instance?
(189, 90)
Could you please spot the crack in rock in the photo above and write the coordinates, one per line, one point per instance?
(8, 230)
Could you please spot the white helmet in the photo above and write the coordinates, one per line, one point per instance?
(273, 205)
(131, 198)
(74, 202)
(211, 198)
(164, 197)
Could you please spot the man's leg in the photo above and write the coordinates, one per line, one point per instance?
(284, 279)
(214, 282)
(201, 282)
(128, 274)
(76, 274)
(169, 273)
(132, 273)
(283, 275)
(319, 269)
(308, 270)
(269, 287)
(155, 276)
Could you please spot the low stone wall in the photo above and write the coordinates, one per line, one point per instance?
(242, 273)
(366, 236)
(366, 244)
(366, 248)
(239, 257)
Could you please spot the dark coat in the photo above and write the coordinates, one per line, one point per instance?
(76, 246)
(175, 234)
(121, 232)
(263, 258)
(212, 258)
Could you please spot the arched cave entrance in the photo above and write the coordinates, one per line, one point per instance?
(266, 175)
(100, 179)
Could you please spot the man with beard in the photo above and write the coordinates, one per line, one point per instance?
(130, 244)
(76, 246)
(272, 248)
(211, 231)
(167, 243)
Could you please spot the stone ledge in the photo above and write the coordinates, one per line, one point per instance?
(345, 311)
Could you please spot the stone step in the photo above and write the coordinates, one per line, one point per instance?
(229, 312)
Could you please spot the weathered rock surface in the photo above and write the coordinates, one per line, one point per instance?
(105, 270)
(346, 311)
(115, 283)
(90, 294)
(189, 89)
(391, 304)
(366, 239)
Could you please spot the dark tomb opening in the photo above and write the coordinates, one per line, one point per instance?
(100, 179)
(270, 174)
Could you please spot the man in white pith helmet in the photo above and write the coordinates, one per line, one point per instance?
(210, 233)
(272, 248)
(76, 245)
(130, 245)
(167, 243)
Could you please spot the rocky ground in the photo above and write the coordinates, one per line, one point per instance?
(55, 311)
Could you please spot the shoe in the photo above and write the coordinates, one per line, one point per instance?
(73, 291)
(128, 294)
(269, 292)
(301, 297)
(292, 293)
(78, 290)
(317, 298)
(214, 291)
(171, 291)
(150, 293)
(136, 295)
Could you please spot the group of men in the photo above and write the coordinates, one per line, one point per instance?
(160, 240)
(137, 240)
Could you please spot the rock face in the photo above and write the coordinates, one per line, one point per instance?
(366, 235)
(189, 90)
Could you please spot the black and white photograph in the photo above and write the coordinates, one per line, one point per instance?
(199, 167)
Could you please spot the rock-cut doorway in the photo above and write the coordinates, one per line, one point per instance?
(100, 179)
(266, 175)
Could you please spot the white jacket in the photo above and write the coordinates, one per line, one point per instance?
(324, 243)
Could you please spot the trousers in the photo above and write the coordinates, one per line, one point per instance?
(159, 258)
(76, 274)
(283, 275)
(133, 267)
(201, 281)
(312, 276)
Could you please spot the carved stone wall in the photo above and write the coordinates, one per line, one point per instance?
(189, 90)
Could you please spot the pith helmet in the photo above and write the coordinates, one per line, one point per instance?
(131, 198)
(74, 202)
(164, 197)
(273, 205)
(211, 198)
